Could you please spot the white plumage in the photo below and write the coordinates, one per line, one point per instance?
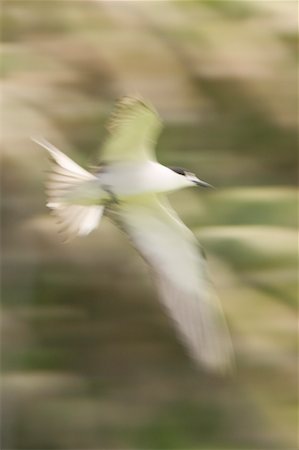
(133, 183)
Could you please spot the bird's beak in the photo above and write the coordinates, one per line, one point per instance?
(201, 183)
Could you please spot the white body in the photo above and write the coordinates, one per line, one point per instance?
(126, 180)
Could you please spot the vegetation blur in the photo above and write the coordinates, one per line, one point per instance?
(89, 358)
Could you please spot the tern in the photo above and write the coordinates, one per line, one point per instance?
(131, 187)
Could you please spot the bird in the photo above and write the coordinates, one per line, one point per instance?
(130, 186)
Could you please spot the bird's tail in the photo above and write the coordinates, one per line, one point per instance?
(71, 192)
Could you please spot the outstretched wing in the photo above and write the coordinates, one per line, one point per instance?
(174, 256)
(134, 127)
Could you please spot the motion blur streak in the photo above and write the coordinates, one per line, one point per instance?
(88, 358)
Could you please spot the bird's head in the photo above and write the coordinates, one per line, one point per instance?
(190, 177)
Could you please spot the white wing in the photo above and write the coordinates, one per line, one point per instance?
(174, 256)
(134, 128)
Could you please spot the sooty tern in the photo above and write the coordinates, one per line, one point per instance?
(131, 185)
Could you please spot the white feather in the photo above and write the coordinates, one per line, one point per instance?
(64, 161)
(179, 269)
(68, 186)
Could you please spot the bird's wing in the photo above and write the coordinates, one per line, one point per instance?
(174, 256)
(134, 127)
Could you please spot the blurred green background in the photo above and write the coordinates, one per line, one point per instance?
(89, 359)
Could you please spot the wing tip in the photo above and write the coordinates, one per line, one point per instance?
(39, 140)
(42, 142)
(219, 365)
(127, 103)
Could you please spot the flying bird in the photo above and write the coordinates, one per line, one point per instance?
(130, 185)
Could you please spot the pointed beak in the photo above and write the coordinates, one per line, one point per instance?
(201, 183)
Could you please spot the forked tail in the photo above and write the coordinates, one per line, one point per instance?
(65, 178)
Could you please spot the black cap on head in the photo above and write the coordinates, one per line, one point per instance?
(178, 170)
(190, 176)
